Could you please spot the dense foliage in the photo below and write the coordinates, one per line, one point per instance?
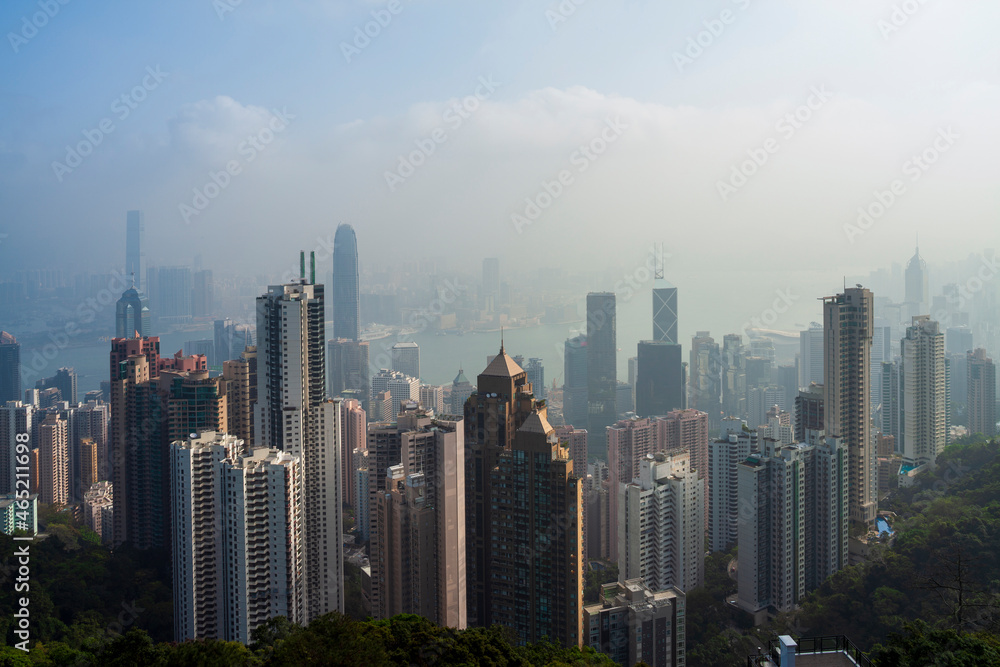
(333, 639)
(943, 567)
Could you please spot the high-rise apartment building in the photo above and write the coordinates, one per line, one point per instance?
(406, 359)
(432, 398)
(925, 398)
(53, 459)
(771, 529)
(292, 415)
(724, 456)
(238, 556)
(982, 393)
(239, 406)
(602, 367)
(401, 387)
(847, 339)
(10, 368)
(15, 418)
(418, 546)
(792, 522)
(661, 524)
(659, 386)
(345, 287)
(536, 543)
(354, 424)
(704, 392)
(633, 624)
(811, 355)
(733, 374)
(99, 511)
(809, 418)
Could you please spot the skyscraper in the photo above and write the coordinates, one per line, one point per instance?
(10, 368)
(772, 534)
(132, 315)
(237, 540)
(135, 232)
(401, 387)
(406, 359)
(925, 398)
(53, 457)
(847, 339)
(632, 624)
(917, 294)
(602, 367)
(491, 284)
(733, 373)
(982, 393)
(705, 377)
(661, 524)
(575, 381)
(811, 355)
(349, 369)
(502, 402)
(292, 415)
(664, 311)
(346, 285)
(230, 340)
(724, 455)
(15, 418)
(659, 385)
(461, 389)
(418, 546)
(537, 540)
(536, 376)
(65, 381)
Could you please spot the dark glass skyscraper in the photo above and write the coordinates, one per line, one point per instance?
(602, 369)
(346, 290)
(659, 386)
(575, 382)
(664, 311)
(10, 368)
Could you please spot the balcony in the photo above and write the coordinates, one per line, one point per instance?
(829, 651)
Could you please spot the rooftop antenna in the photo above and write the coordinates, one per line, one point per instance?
(501, 339)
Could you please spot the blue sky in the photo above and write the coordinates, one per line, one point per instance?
(559, 82)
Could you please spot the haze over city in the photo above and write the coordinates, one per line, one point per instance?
(649, 243)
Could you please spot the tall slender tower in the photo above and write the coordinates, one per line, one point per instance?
(293, 415)
(10, 368)
(982, 393)
(346, 285)
(135, 232)
(925, 399)
(503, 400)
(537, 553)
(664, 307)
(602, 367)
(847, 341)
(917, 295)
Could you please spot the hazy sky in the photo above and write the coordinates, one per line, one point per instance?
(311, 115)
